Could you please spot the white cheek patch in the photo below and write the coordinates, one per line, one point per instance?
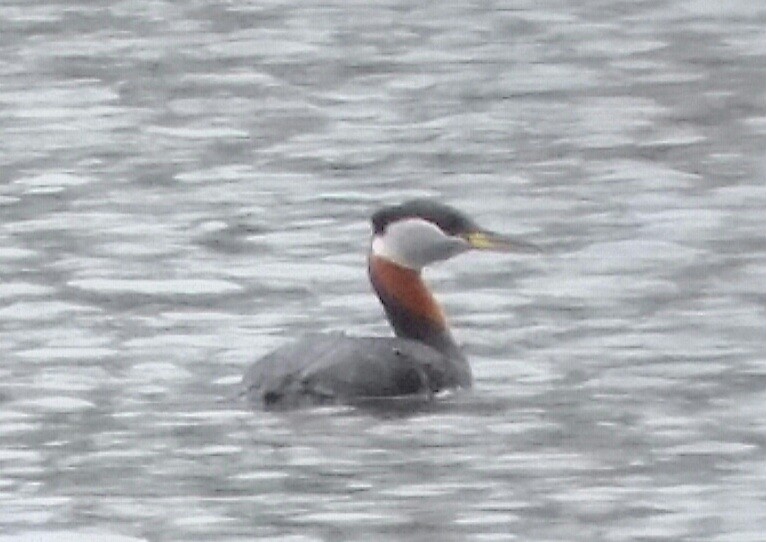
(415, 243)
(383, 249)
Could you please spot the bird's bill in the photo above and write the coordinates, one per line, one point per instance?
(491, 241)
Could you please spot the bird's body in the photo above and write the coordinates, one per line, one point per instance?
(334, 367)
(422, 359)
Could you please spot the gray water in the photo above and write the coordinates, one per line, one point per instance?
(186, 185)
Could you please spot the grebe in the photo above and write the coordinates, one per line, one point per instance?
(423, 358)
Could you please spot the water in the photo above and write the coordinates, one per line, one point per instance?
(185, 186)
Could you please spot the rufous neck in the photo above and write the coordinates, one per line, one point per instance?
(410, 306)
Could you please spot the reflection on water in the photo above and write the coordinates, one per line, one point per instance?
(185, 186)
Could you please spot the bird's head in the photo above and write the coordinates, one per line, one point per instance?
(419, 232)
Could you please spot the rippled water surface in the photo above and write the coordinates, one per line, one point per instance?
(186, 185)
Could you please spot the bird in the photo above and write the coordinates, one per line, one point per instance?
(422, 358)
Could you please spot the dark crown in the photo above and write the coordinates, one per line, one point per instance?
(448, 219)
